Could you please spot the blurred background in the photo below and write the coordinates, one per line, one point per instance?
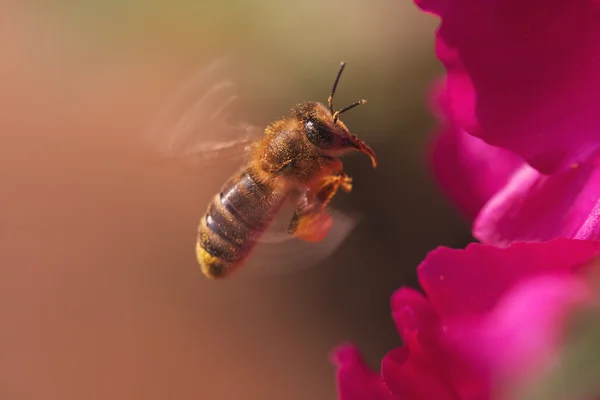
(100, 295)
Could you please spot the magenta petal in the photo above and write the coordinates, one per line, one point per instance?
(415, 371)
(413, 314)
(469, 170)
(534, 207)
(524, 75)
(470, 282)
(524, 331)
(355, 380)
(590, 229)
(408, 376)
(425, 368)
(432, 6)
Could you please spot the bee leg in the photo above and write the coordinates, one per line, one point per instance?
(310, 221)
(330, 185)
(334, 179)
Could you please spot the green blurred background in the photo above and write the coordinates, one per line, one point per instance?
(100, 296)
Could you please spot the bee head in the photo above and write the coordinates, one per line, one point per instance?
(327, 133)
(324, 129)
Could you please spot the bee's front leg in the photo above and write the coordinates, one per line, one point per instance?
(331, 180)
(310, 221)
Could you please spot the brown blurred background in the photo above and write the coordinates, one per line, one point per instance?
(100, 296)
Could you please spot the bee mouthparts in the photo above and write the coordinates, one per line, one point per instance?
(363, 148)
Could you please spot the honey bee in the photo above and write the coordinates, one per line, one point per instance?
(295, 162)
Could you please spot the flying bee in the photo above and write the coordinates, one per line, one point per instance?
(295, 162)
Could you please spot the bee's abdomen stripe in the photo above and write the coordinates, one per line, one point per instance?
(239, 217)
(218, 229)
(233, 217)
(217, 245)
(246, 200)
(228, 225)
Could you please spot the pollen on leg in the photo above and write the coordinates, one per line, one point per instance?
(313, 227)
(346, 184)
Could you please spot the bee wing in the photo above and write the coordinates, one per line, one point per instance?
(279, 252)
(199, 122)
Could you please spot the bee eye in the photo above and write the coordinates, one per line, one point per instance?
(318, 134)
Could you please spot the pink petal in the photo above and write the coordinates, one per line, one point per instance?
(470, 282)
(524, 75)
(590, 229)
(355, 380)
(425, 368)
(409, 378)
(469, 170)
(534, 207)
(523, 333)
(410, 372)
(413, 314)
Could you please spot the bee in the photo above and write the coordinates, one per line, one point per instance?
(295, 162)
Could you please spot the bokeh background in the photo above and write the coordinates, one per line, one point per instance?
(100, 295)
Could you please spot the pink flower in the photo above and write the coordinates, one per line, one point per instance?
(524, 75)
(355, 380)
(533, 207)
(518, 150)
(509, 200)
(469, 170)
(492, 319)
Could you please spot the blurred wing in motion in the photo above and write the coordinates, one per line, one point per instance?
(198, 121)
(278, 252)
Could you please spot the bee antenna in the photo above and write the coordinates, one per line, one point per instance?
(350, 107)
(335, 83)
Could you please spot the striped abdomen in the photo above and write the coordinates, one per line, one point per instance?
(235, 218)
